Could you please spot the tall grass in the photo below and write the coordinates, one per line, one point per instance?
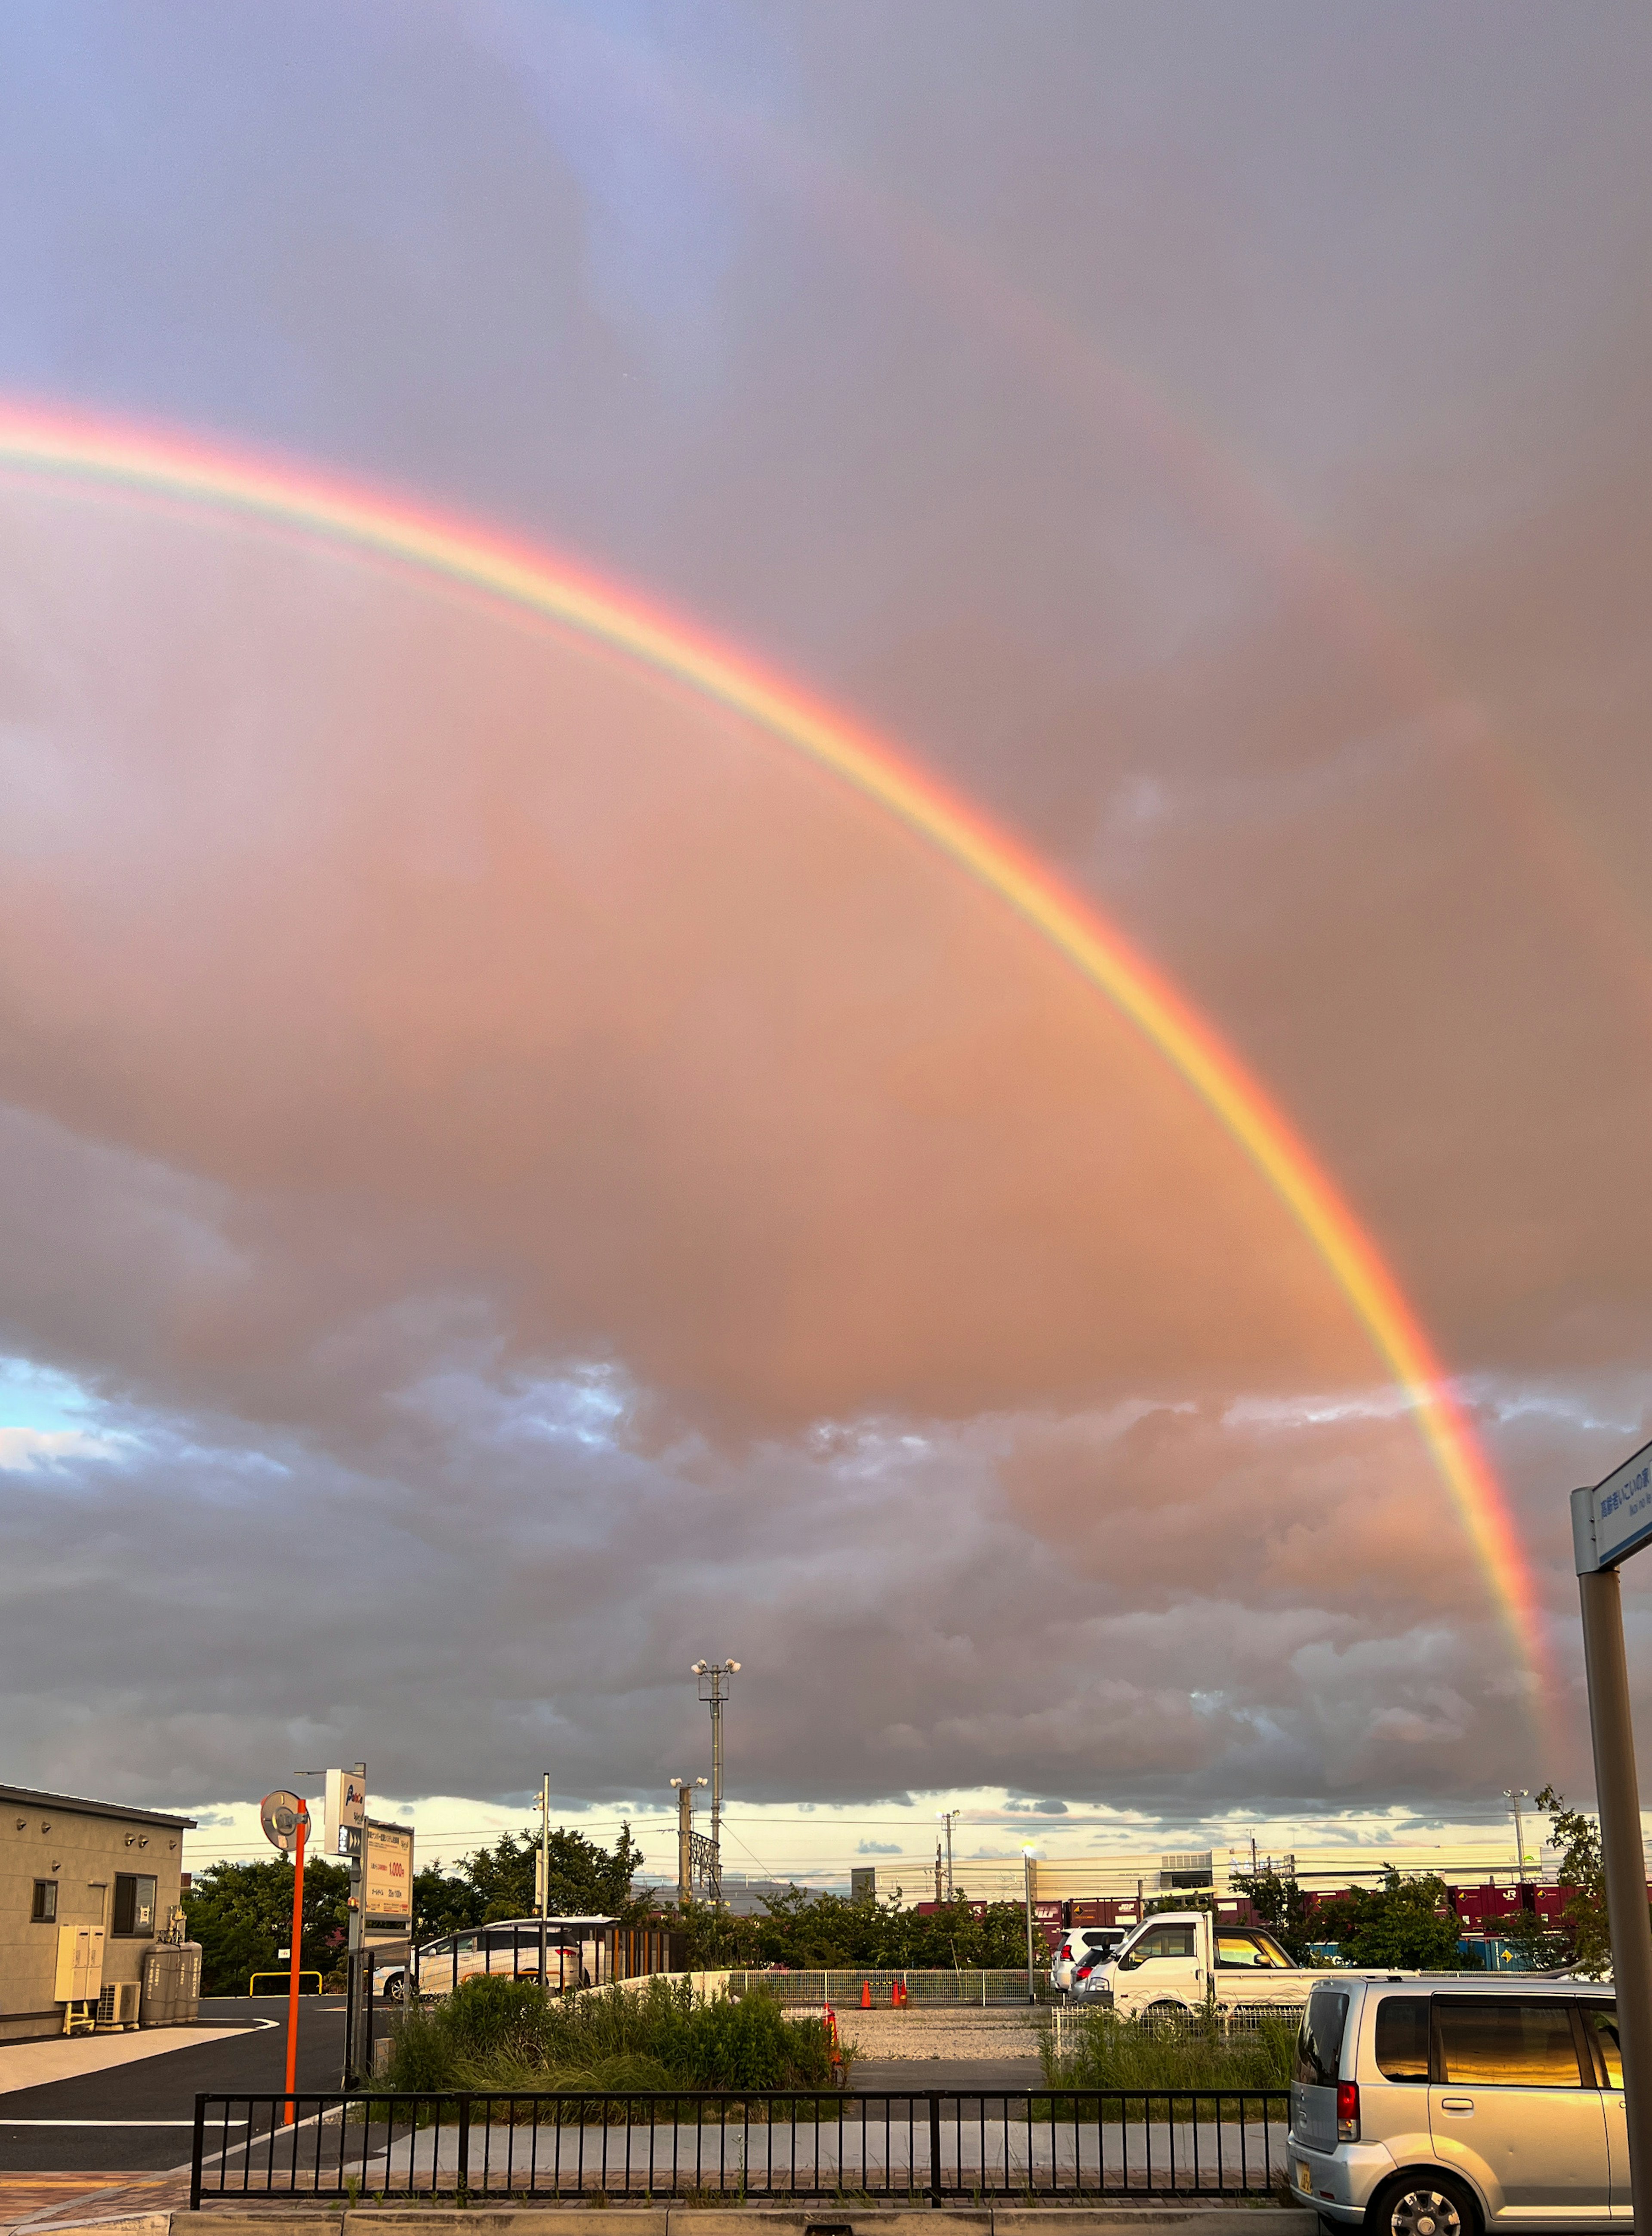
(1124, 2054)
(509, 2036)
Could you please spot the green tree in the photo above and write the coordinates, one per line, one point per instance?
(1404, 1925)
(1283, 1907)
(242, 1913)
(587, 1880)
(1544, 1947)
(443, 1904)
(810, 1932)
(1583, 1876)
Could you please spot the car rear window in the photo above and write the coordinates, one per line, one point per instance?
(1402, 2037)
(1319, 2045)
(1495, 2042)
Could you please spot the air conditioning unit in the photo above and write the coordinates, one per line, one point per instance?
(117, 2007)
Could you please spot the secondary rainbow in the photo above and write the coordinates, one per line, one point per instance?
(51, 444)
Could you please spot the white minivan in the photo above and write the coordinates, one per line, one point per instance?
(1449, 2104)
(510, 1947)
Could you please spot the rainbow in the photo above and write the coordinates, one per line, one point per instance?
(44, 443)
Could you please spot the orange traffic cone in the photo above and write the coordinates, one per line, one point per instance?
(866, 1995)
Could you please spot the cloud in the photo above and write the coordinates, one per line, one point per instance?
(632, 1177)
(512, 1175)
(26, 1451)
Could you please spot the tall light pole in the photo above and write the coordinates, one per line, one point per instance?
(713, 1690)
(949, 1818)
(1514, 1795)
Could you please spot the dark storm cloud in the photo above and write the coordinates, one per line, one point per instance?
(519, 1172)
(509, 1584)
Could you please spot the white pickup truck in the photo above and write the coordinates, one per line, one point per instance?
(1182, 1960)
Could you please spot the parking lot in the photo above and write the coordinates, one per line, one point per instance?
(138, 2116)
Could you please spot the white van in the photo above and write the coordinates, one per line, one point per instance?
(1449, 2104)
(574, 1951)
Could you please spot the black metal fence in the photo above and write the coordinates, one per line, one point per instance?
(934, 2144)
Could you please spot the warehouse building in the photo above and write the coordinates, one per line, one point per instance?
(87, 1889)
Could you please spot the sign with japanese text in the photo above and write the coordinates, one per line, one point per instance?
(1615, 1518)
(387, 1881)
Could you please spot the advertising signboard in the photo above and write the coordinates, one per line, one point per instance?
(387, 1881)
(347, 1811)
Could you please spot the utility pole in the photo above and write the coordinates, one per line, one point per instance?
(1026, 1859)
(937, 1871)
(545, 1879)
(713, 1690)
(1514, 1795)
(685, 1787)
(949, 1818)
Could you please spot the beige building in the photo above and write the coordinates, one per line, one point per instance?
(85, 1888)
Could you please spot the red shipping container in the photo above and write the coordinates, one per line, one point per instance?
(1103, 1910)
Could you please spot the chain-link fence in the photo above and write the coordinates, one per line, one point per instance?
(845, 1989)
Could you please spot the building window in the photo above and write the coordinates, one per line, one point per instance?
(45, 1907)
(134, 1906)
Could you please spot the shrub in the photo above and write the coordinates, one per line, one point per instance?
(508, 2035)
(1116, 2053)
(422, 2055)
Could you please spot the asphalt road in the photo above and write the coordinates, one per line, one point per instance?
(139, 2117)
(870, 2075)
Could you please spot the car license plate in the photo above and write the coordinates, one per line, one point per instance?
(1304, 2179)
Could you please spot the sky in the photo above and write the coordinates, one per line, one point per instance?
(511, 1182)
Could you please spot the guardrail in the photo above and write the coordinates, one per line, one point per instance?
(744, 2145)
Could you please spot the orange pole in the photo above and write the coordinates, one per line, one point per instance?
(291, 2113)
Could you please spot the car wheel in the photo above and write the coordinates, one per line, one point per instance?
(1164, 2018)
(1425, 2203)
(395, 1989)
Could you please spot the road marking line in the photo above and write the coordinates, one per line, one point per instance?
(4, 2123)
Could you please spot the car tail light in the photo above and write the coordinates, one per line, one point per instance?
(1347, 2111)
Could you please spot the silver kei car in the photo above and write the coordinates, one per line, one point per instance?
(1451, 2104)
